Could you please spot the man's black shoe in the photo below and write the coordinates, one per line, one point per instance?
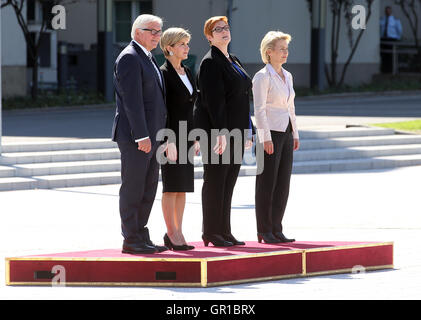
(161, 248)
(138, 248)
(158, 248)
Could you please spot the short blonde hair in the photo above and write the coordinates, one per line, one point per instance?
(171, 36)
(269, 42)
(210, 23)
(142, 21)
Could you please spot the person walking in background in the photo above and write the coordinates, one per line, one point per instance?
(140, 114)
(177, 178)
(274, 111)
(390, 30)
(223, 103)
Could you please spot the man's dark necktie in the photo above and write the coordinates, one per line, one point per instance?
(385, 27)
(151, 58)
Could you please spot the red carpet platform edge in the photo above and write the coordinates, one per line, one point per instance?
(201, 267)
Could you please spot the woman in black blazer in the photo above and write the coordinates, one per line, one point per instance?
(178, 176)
(222, 103)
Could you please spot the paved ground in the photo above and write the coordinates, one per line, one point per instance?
(358, 206)
(354, 206)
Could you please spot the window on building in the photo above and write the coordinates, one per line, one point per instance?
(44, 53)
(45, 50)
(123, 20)
(125, 12)
(145, 7)
(47, 15)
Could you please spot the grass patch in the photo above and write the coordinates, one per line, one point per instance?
(413, 126)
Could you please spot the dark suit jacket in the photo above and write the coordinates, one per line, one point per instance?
(223, 93)
(179, 100)
(140, 100)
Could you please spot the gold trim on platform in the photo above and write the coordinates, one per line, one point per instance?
(347, 247)
(204, 273)
(348, 270)
(141, 259)
(49, 258)
(286, 276)
(304, 263)
(254, 255)
(7, 271)
(112, 284)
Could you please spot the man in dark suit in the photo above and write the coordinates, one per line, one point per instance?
(140, 114)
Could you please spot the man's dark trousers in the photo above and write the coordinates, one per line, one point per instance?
(138, 190)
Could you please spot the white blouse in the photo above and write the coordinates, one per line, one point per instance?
(186, 82)
(273, 102)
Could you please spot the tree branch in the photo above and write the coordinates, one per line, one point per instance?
(354, 48)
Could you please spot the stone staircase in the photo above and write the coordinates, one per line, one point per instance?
(88, 162)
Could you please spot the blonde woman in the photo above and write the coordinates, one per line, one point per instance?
(177, 178)
(274, 111)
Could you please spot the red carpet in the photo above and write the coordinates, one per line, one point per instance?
(204, 266)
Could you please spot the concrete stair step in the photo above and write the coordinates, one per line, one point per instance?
(59, 181)
(374, 163)
(7, 171)
(38, 169)
(323, 166)
(348, 132)
(356, 152)
(303, 154)
(339, 153)
(88, 162)
(76, 144)
(102, 178)
(59, 156)
(311, 144)
(17, 183)
(80, 144)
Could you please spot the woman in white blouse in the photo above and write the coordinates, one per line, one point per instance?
(274, 111)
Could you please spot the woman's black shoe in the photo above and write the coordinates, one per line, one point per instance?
(282, 238)
(188, 247)
(267, 238)
(170, 245)
(216, 240)
(230, 238)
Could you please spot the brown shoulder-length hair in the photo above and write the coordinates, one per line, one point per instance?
(210, 24)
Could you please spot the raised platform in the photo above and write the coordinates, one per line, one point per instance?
(202, 267)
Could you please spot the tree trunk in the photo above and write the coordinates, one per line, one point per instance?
(34, 88)
(336, 8)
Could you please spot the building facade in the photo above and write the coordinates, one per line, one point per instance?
(250, 20)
